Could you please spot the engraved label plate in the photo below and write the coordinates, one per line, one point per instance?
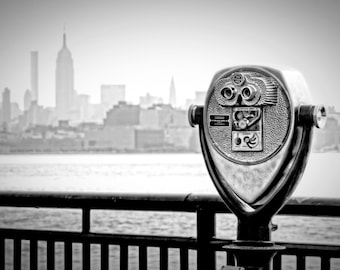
(219, 120)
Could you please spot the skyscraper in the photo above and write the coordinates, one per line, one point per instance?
(34, 75)
(6, 108)
(27, 100)
(172, 96)
(65, 93)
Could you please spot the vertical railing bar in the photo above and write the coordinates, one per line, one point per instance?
(325, 263)
(143, 254)
(86, 222)
(50, 255)
(123, 257)
(206, 258)
(68, 255)
(230, 259)
(86, 255)
(104, 256)
(277, 262)
(300, 262)
(33, 254)
(184, 259)
(163, 260)
(86, 227)
(2, 253)
(17, 254)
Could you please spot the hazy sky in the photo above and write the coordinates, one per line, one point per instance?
(143, 43)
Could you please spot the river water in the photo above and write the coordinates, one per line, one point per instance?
(152, 173)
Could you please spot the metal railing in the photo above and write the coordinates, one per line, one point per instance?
(205, 244)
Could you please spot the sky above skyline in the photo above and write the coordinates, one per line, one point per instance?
(144, 43)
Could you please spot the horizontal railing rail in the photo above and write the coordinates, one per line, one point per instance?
(205, 244)
(311, 206)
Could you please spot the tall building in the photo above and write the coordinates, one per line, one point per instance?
(34, 75)
(27, 100)
(198, 100)
(15, 110)
(84, 108)
(111, 94)
(65, 93)
(172, 96)
(6, 108)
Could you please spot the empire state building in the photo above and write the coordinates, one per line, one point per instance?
(65, 93)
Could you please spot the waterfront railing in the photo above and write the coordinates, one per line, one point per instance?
(205, 245)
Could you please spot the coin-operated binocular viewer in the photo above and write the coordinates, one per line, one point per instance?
(255, 131)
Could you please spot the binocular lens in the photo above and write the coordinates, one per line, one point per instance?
(228, 93)
(248, 93)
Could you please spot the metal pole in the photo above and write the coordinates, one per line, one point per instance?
(205, 232)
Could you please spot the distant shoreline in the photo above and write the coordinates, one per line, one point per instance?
(154, 151)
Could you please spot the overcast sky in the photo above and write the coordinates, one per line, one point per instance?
(143, 43)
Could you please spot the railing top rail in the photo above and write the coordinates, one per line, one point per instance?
(156, 202)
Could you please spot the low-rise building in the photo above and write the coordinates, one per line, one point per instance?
(123, 114)
(149, 139)
(110, 139)
(180, 137)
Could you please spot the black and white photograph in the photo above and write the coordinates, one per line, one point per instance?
(169, 135)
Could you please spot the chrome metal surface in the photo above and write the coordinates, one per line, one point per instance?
(319, 116)
(256, 133)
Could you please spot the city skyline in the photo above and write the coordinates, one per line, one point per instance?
(142, 45)
(66, 93)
